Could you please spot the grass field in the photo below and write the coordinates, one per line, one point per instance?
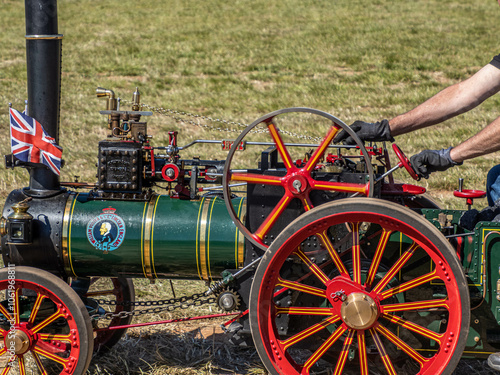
(236, 61)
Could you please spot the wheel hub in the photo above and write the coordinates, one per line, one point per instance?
(297, 184)
(19, 343)
(359, 311)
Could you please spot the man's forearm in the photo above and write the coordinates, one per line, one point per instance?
(484, 142)
(452, 101)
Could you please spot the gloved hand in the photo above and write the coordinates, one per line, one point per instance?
(429, 161)
(366, 131)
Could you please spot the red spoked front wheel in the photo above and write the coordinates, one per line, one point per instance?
(295, 173)
(360, 286)
(44, 326)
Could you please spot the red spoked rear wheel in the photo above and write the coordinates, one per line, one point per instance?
(44, 326)
(119, 293)
(360, 286)
(297, 180)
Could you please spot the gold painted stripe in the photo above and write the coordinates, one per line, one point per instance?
(272, 220)
(208, 239)
(197, 250)
(352, 189)
(66, 241)
(142, 238)
(152, 238)
(147, 237)
(203, 239)
(304, 310)
(279, 143)
(239, 246)
(66, 235)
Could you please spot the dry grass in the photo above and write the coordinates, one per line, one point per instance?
(237, 61)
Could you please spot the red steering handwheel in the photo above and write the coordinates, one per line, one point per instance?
(405, 162)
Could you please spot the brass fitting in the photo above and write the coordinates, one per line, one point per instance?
(112, 102)
(136, 100)
(3, 226)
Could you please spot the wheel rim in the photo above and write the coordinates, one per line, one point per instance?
(47, 335)
(350, 317)
(117, 291)
(297, 182)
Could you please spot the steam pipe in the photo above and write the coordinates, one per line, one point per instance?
(43, 57)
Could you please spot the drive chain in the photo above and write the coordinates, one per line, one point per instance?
(171, 304)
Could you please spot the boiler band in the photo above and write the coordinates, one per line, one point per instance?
(160, 238)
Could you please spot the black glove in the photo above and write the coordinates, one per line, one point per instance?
(429, 161)
(366, 131)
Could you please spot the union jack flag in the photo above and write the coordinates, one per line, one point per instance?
(30, 142)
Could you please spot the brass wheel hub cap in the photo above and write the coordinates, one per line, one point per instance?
(359, 311)
(19, 343)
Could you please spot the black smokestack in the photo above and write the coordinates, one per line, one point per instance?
(43, 56)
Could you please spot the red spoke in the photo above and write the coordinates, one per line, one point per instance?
(363, 360)
(319, 152)
(255, 178)
(273, 217)
(313, 267)
(382, 243)
(345, 351)
(50, 356)
(344, 187)
(36, 307)
(280, 145)
(438, 337)
(304, 310)
(5, 313)
(301, 287)
(7, 368)
(48, 321)
(407, 306)
(409, 285)
(402, 345)
(53, 347)
(22, 368)
(356, 254)
(306, 202)
(323, 236)
(403, 259)
(383, 354)
(308, 332)
(17, 311)
(39, 363)
(324, 347)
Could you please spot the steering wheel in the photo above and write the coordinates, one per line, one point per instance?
(296, 181)
(404, 162)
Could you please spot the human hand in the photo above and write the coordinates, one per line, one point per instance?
(429, 161)
(366, 131)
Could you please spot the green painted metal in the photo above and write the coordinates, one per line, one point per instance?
(161, 238)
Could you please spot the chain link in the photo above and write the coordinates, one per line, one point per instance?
(176, 116)
(171, 305)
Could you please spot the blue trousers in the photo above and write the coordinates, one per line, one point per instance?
(493, 185)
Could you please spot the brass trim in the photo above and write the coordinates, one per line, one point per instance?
(44, 37)
(148, 223)
(196, 250)
(152, 239)
(208, 238)
(66, 235)
(240, 238)
(203, 239)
